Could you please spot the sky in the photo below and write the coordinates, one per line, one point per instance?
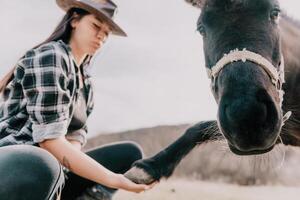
(156, 76)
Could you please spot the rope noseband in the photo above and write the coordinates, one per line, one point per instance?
(276, 76)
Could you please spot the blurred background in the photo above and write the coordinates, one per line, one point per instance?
(150, 87)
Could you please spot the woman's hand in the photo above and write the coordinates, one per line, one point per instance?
(128, 185)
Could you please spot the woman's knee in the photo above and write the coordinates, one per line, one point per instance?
(28, 172)
(129, 150)
(134, 149)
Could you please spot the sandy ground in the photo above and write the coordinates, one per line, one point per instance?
(180, 189)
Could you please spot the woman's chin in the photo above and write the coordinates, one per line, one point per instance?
(94, 50)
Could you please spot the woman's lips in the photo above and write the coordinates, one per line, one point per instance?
(96, 44)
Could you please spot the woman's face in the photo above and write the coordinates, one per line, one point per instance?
(89, 33)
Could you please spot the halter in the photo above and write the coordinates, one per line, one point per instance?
(276, 76)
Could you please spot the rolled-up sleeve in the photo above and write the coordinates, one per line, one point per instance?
(78, 135)
(45, 86)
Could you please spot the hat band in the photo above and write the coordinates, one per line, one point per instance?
(107, 9)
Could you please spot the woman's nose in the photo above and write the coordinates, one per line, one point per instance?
(101, 35)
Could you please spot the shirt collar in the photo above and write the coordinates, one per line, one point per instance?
(86, 63)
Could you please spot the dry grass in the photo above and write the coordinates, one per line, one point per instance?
(213, 162)
(182, 189)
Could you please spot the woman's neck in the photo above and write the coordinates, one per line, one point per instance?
(78, 54)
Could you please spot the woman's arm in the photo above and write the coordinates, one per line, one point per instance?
(84, 166)
(75, 143)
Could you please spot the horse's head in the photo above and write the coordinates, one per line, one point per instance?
(243, 58)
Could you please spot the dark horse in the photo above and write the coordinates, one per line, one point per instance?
(253, 60)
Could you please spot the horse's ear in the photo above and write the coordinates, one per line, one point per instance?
(196, 3)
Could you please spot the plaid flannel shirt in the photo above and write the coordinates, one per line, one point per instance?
(39, 102)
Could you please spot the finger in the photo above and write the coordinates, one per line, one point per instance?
(148, 187)
(153, 184)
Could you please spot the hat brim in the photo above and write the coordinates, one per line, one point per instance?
(68, 4)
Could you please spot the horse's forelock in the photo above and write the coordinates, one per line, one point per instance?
(228, 4)
(225, 4)
(237, 4)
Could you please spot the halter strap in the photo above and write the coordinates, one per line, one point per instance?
(277, 76)
(245, 55)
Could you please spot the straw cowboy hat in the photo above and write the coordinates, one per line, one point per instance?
(103, 9)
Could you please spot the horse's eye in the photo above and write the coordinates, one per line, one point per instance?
(275, 15)
(201, 29)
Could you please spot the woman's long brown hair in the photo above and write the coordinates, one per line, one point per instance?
(62, 32)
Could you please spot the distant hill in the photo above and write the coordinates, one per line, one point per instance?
(214, 161)
(152, 139)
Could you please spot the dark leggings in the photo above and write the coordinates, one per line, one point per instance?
(28, 172)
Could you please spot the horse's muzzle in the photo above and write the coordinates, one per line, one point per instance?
(251, 125)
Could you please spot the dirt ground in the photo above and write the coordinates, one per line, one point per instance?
(180, 189)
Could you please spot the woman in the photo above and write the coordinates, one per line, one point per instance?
(47, 98)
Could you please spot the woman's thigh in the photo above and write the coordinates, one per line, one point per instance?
(117, 157)
(29, 172)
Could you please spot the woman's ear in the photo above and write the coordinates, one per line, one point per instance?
(74, 20)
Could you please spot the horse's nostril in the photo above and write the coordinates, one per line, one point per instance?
(263, 96)
(246, 113)
(261, 113)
